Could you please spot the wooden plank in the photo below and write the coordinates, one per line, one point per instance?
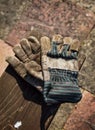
(21, 102)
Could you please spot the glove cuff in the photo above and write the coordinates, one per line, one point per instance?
(63, 77)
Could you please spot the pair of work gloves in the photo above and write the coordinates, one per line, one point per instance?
(50, 65)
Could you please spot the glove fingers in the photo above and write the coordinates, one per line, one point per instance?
(56, 44)
(74, 49)
(70, 48)
(35, 45)
(20, 53)
(25, 44)
(37, 58)
(75, 45)
(26, 50)
(26, 47)
(36, 33)
(57, 38)
(17, 65)
(45, 45)
(67, 41)
(33, 66)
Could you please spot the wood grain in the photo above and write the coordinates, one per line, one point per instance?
(21, 102)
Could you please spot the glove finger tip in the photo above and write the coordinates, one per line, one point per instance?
(57, 38)
(67, 40)
(35, 44)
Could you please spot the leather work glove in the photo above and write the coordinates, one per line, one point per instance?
(60, 69)
(26, 61)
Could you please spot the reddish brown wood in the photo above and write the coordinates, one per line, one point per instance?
(21, 102)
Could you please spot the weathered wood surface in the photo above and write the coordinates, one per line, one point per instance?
(20, 102)
(14, 107)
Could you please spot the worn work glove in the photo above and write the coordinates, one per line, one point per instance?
(26, 61)
(60, 69)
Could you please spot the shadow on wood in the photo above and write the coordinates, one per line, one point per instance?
(21, 102)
